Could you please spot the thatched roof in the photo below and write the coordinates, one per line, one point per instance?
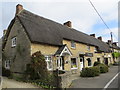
(42, 30)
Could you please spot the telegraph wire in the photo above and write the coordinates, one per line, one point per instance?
(102, 19)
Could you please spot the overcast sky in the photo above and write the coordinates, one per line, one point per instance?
(79, 12)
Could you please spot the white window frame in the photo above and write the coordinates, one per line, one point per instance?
(73, 44)
(48, 60)
(76, 64)
(7, 64)
(14, 41)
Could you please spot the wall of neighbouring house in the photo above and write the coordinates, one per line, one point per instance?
(20, 54)
(80, 48)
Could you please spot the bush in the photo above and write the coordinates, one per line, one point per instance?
(37, 69)
(90, 72)
(6, 72)
(96, 63)
(103, 68)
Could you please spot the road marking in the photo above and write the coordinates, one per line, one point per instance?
(106, 86)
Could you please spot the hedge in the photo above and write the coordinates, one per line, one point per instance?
(103, 68)
(6, 72)
(96, 63)
(90, 72)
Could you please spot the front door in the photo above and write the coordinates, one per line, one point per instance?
(60, 63)
(81, 62)
(106, 61)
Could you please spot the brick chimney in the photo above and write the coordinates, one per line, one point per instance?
(68, 23)
(93, 35)
(19, 8)
(100, 38)
(114, 43)
(109, 42)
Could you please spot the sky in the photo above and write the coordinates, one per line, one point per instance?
(79, 12)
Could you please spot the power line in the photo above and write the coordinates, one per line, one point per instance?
(101, 18)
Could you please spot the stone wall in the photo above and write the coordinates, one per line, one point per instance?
(20, 54)
(65, 80)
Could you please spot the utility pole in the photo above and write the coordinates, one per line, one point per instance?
(111, 41)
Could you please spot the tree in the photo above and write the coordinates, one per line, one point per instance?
(37, 69)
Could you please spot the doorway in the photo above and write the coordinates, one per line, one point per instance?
(60, 63)
(106, 61)
(81, 62)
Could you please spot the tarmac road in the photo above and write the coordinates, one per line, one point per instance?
(98, 82)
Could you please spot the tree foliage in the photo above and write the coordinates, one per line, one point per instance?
(37, 69)
(116, 54)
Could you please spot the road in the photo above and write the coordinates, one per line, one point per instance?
(98, 82)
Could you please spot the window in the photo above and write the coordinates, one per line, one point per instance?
(88, 47)
(98, 59)
(89, 62)
(7, 64)
(49, 62)
(73, 45)
(14, 40)
(95, 49)
(73, 63)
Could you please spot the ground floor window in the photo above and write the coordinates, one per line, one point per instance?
(89, 61)
(73, 63)
(48, 59)
(98, 59)
(7, 64)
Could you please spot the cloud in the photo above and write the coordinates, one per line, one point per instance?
(106, 34)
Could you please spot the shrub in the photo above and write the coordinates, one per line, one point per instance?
(90, 72)
(37, 69)
(6, 72)
(96, 63)
(103, 68)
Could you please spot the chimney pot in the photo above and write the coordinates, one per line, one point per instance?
(93, 35)
(68, 23)
(100, 38)
(109, 41)
(19, 8)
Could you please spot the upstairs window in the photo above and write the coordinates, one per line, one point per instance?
(95, 49)
(73, 45)
(88, 47)
(48, 59)
(14, 41)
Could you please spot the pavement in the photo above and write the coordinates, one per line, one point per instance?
(10, 83)
(99, 81)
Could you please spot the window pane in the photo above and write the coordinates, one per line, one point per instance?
(73, 63)
(73, 44)
(89, 62)
(14, 41)
(49, 62)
